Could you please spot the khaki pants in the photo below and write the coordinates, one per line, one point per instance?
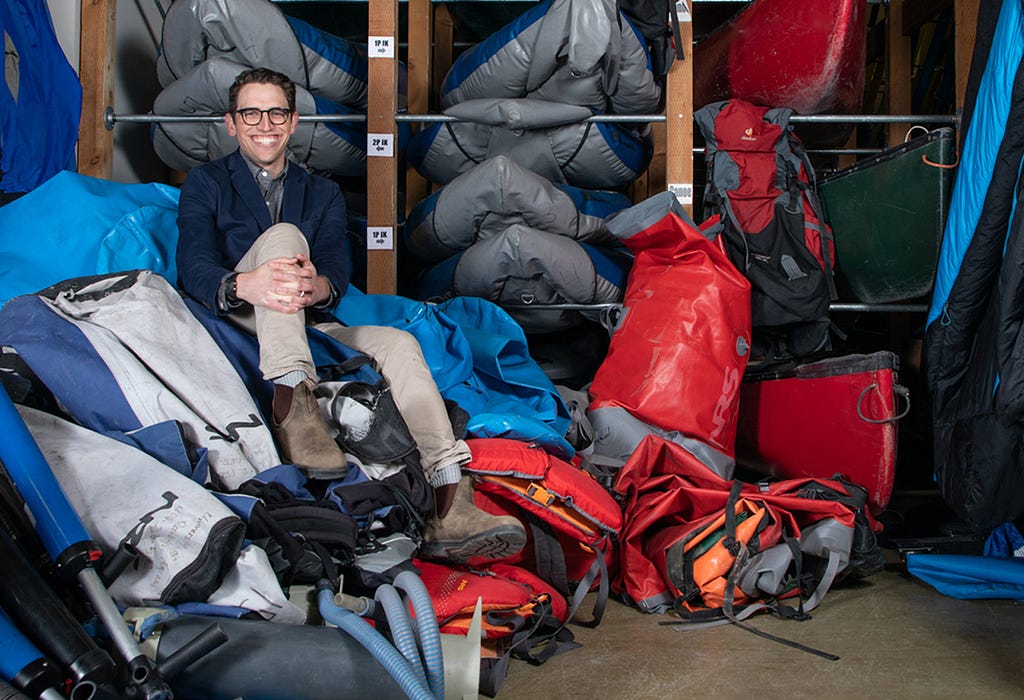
(396, 354)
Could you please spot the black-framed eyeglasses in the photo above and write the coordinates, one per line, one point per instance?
(253, 116)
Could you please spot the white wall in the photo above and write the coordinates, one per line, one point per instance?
(136, 39)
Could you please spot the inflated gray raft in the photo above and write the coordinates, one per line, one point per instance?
(581, 52)
(549, 138)
(256, 33)
(204, 45)
(525, 266)
(338, 148)
(485, 200)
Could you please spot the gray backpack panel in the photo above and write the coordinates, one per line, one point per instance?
(617, 434)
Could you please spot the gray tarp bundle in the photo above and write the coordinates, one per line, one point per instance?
(525, 91)
(548, 138)
(204, 90)
(141, 363)
(189, 544)
(206, 43)
(490, 197)
(511, 236)
(580, 52)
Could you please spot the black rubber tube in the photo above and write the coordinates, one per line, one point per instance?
(271, 661)
(9, 693)
(43, 618)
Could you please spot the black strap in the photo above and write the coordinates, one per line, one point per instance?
(729, 541)
(321, 523)
(677, 37)
(548, 555)
(550, 565)
(729, 611)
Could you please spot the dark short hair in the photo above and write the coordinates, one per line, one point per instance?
(264, 76)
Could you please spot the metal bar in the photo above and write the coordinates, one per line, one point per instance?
(840, 307)
(597, 118)
(110, 118)
(881, 308)
(562, 307)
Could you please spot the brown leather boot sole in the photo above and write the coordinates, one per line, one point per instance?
(496, 543)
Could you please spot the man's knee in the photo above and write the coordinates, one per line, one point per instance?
(281, 241)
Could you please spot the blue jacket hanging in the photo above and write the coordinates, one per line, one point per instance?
(40, 99)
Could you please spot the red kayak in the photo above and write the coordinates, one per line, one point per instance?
(805, 54)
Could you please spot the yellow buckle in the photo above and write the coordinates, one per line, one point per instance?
(539, 495)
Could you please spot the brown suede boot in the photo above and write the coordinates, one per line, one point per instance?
(303, 438)
(466, 533)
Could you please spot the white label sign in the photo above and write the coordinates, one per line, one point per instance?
(683, 11)
(380, 238)
(381, 145)
(381, 46)
(682, 191)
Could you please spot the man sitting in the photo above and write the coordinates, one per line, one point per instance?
(261, 241)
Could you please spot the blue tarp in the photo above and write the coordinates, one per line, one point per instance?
(970, 576)
(479, 358)
(74, 226)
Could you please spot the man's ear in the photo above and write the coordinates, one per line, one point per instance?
(229, 122)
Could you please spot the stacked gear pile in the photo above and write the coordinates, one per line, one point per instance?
(712, 549)
(525, 168)
(259, 528)
(529, 597)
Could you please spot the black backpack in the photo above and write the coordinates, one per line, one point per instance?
(760, 184)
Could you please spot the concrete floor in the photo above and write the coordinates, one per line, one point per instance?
(896, 636)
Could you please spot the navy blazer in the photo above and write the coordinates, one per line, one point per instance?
(221, 213)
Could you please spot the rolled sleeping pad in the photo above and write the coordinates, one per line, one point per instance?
(267, 660)
(43, 617)
(22, 664)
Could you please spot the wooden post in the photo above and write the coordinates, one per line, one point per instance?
(96, 72)
(444, 49)
(966, 24)
(381, 149)
(898, 67)
(420, 84)
(679, 115)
